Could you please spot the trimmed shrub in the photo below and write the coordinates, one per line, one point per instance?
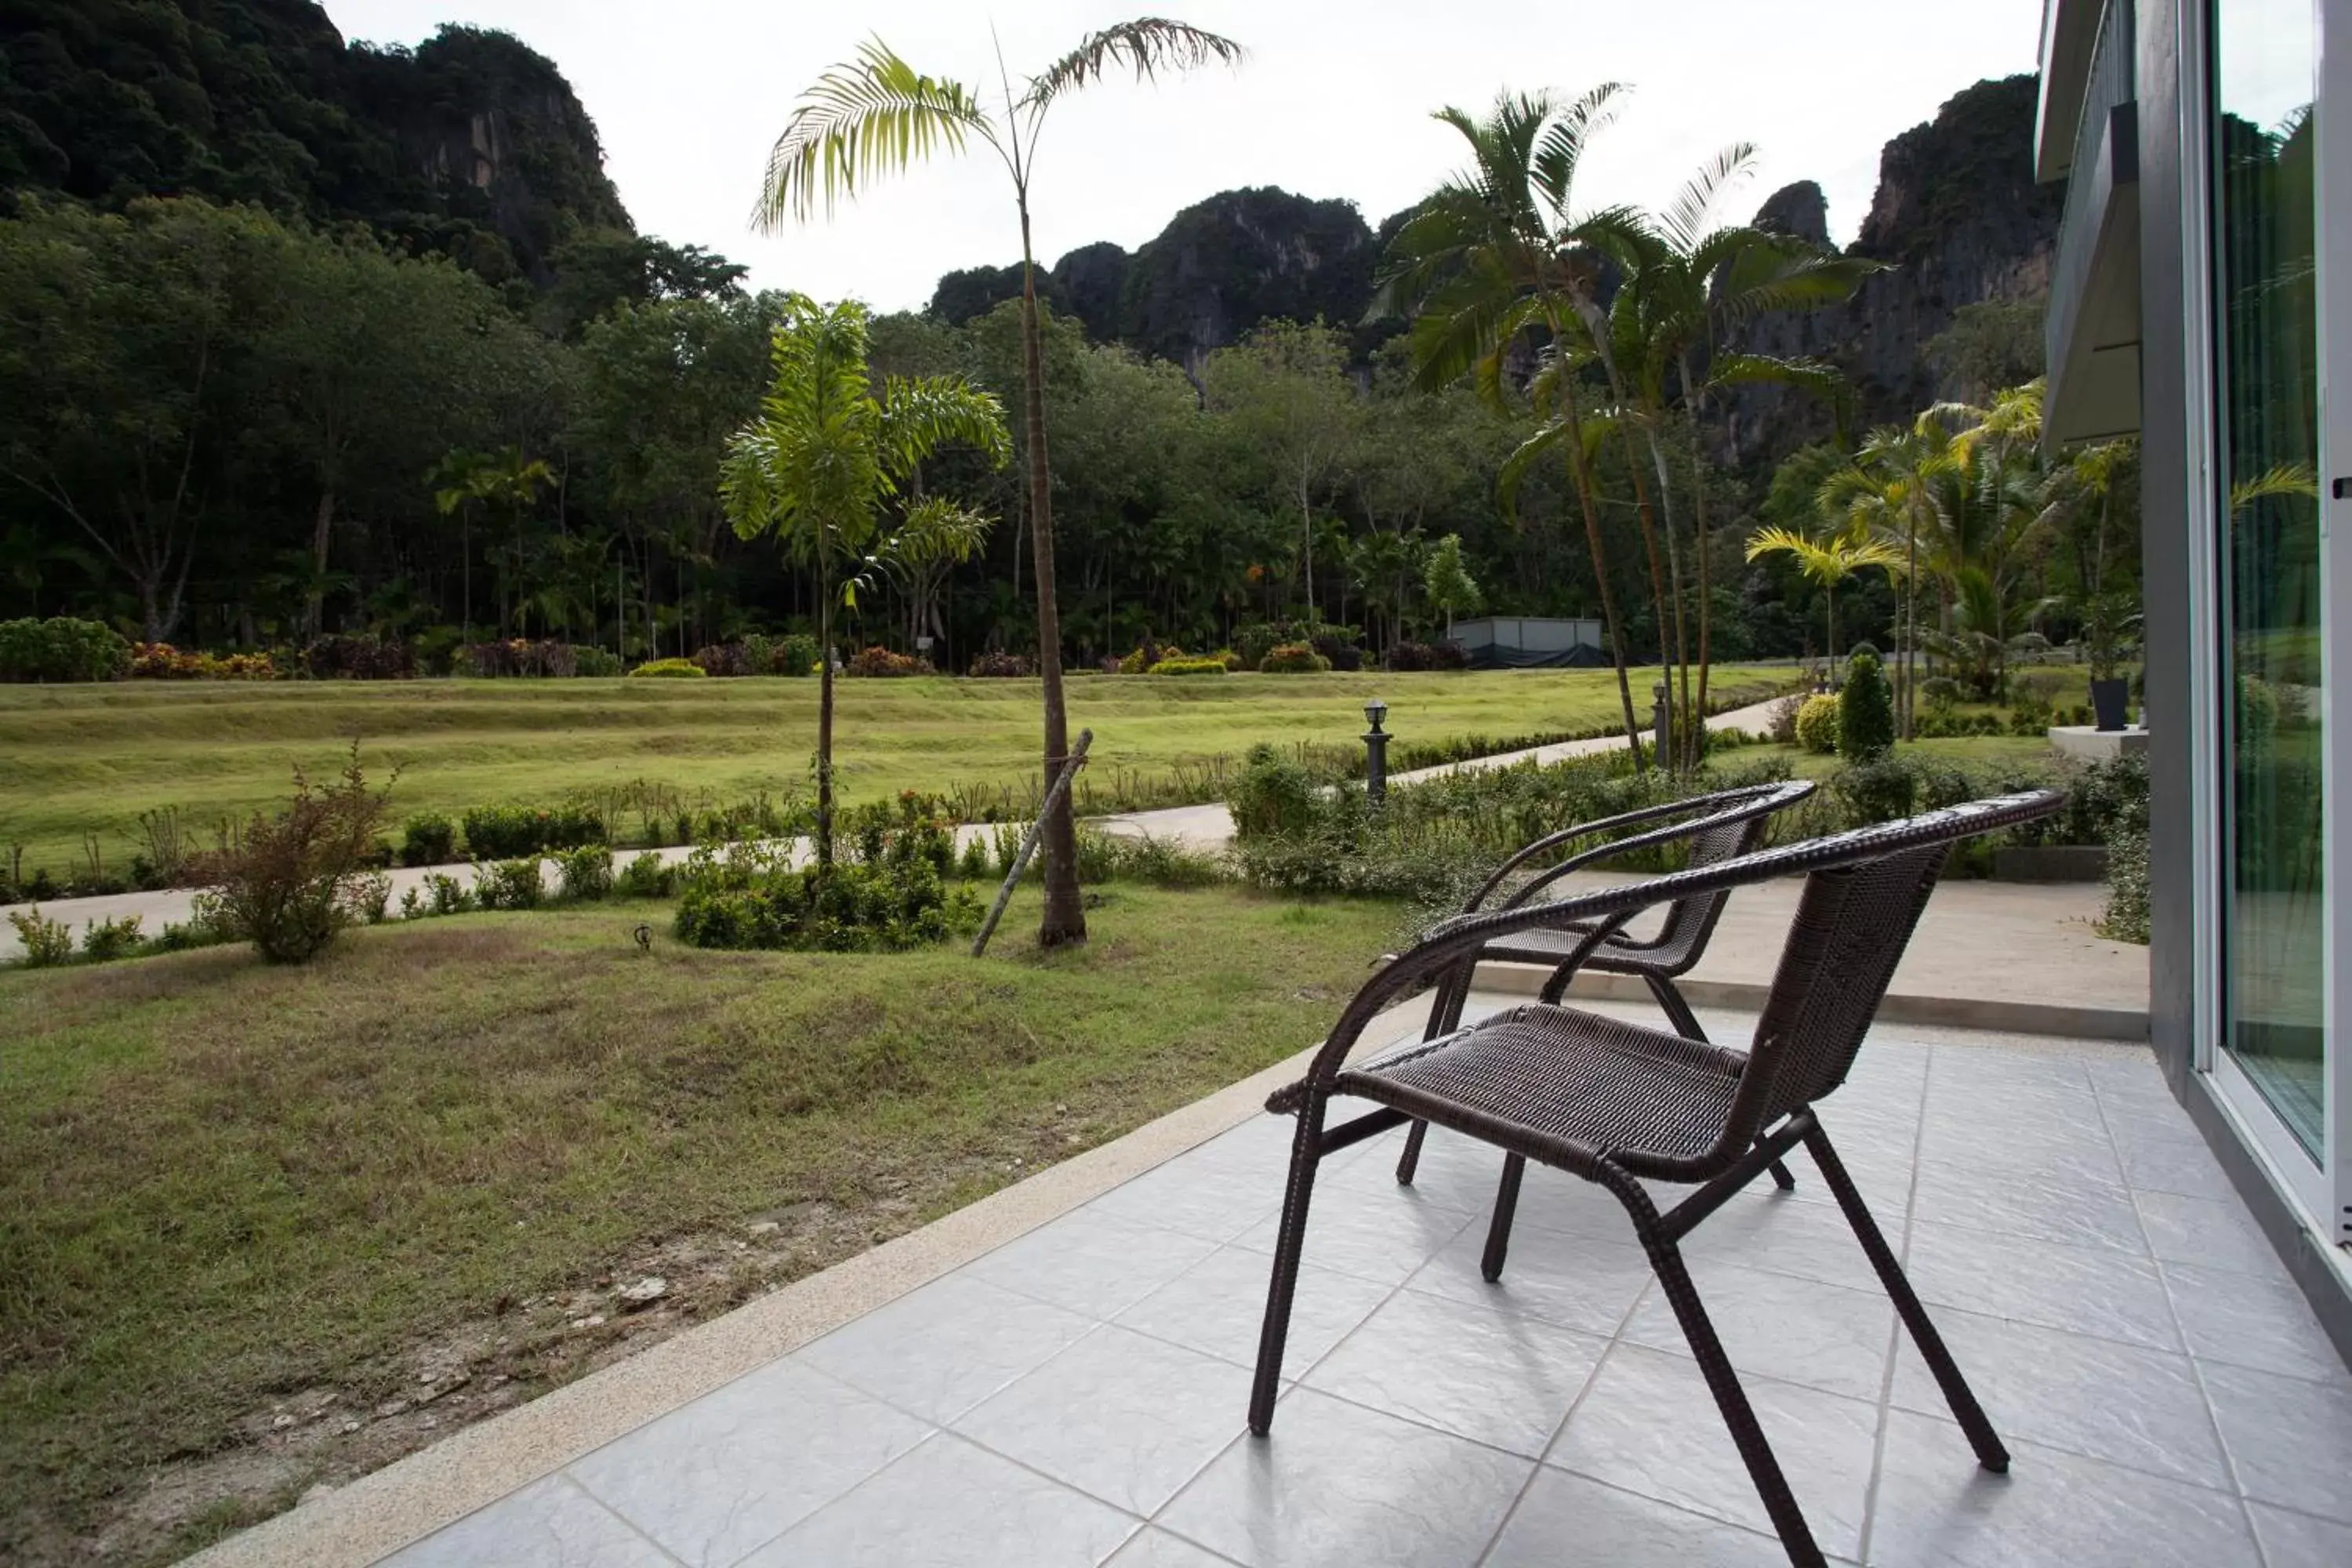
(671, 667)
(520, 656)
(1941, 693)
(1412, 655)
(162, 661)
(1189, 667)
(1339, 649)
(357, 659)
(595, 661)
(1292, 659)
(510, 884)
(62, 649)
(428, 838)
(1884, 788)
(731, 659)
(647, 876)
(998, 665)
(585, 873)
(500, 832)
(843, 908)
(1817, 725)
(1865, 711)
(288, 884)
(881, 661)
(47, 942)
(2127, 918)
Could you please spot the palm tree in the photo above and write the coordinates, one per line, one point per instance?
(1498, 253)
(877, 115)
(823, 456)
(1892, 491)
(1828, 561)
(936, 535)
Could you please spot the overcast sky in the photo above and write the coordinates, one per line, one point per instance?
(1334, 100)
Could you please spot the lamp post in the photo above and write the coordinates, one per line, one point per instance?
(1376, 753)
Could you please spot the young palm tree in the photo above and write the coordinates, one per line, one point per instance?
(1892, 491)
(825, 454)
(876, 116)
(1829, 560)
(1499, 253)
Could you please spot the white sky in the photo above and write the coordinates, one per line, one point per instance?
(688, 95)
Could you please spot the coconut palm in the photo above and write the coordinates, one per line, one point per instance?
(826, 455)
(877, 115)
(1500, 255)
(1829, 560)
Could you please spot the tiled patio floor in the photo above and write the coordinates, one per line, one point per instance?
(1076, 1397)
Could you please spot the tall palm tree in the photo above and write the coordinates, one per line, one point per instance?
(1498, 255)
(877, 115)
(1893, 491)
(825, 454)
(1829, 560)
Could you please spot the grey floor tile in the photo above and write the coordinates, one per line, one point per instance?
(1214, 1199)
(2171, 1164)
(2289, 1440)
(2107, 1401)
(1338, 1486)
(1119, 1415)
(1981, 1155)
(1454, 1171)
(744, 1464)
(952, 1505)
(1764, 1228)
(1937, 1508)
(1155, 1548)
(2299, 1541)
(1493, 1376)
(2082, 1214)
(1095, 1265)
(1555, 1200)
(1218, 1305)
(938, 1351)
(1776, 1325)
(550, 1523)
(1568, 1521)
(2099, 1290)
(1577, 1281)
(2211, 1233)
(2251, 1320)
(1648, 1425)
(1373, 1236)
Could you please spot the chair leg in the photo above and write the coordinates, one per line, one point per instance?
(1498, 1229)
(1409, 1161)
(1746, 1432)
(1991, 1454)
(1306, 1153)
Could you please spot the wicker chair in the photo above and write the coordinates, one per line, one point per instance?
(1616, 1103)
(1718, 828)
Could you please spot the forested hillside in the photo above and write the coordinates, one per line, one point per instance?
(302, 336)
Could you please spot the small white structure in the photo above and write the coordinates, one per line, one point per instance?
(2086, 744)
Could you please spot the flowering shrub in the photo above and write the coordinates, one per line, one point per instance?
(997, 664)
(519, 655)
(882, 662)
(501, 832)
(1292, 659)
(727, 659)
(162, 661)
(357, 659)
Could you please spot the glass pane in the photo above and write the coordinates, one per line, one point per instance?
(2268, 320)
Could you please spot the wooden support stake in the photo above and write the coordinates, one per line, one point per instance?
(1029, 842)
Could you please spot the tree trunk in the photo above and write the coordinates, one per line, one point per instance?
(824, 715)
(314, 614)
(1579, 473)
(1065, 918)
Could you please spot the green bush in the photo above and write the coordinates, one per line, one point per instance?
(102, 942)
(647, 876)
(47, 942)
(368, 897)
(62, 649)
(1817, 725)
(1292, 659)
(289, 882)
(595, 661)
(2126, 917)
(502, 832)
(585, 873)
(795, 654)
(975, 864)
(842, 907)
(1141, 858)
(428, 838)
(509, 885)
(1189, 667)
(1883, 789)
(1272, 796)
(1865, 711)
(446, 895)
(683, 669)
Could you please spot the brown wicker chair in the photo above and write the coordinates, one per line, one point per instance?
(1718, 828)
(1615, 1102)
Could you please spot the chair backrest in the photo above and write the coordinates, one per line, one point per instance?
(1682, 936)
(1864, 894)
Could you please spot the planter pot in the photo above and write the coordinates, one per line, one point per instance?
(2111, 703)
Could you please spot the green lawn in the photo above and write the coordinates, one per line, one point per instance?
(92, 758)
(244, 1208)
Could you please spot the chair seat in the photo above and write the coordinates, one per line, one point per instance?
(1559, 1084)
(1615, 956)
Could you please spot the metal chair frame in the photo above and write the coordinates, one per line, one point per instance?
(1864, 894)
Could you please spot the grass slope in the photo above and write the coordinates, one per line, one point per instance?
(243, 1209)
(91, 758)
